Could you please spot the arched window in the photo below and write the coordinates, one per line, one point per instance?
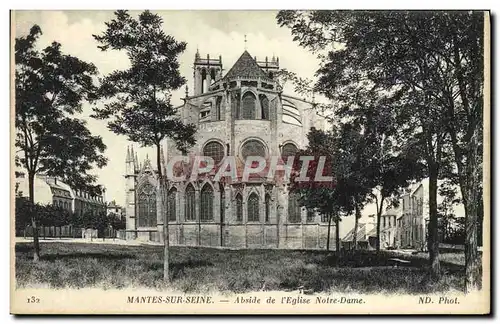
(293, 208)
(172, 205)
(248, 106)
(204, 81)
(236, 105)
(287, 150)
(218, 115)
(147, 206)
(253, 207)
(253, 148)
(268, 208)
(212, 76)
(207, 203)
(239, 208)
(190, 203)
(264, 106)
(222, 202)
(215, 150)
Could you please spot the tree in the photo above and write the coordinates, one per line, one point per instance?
(446, 213)
(50, 89)
(346, 163)
(428, 67)
(140, 106)
(318, 196)
(23, 213)
(391, 168)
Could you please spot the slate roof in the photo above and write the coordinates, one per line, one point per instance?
(362, 235)
(246, 66)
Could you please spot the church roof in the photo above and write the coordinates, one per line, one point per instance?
(245, 66)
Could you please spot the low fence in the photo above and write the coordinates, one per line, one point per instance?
(68, 231)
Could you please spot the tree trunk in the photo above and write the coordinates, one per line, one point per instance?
(337, 233)
(379, 217)
(472, 263)
(433, 243)
(357, 215)
(36, 243)
(166, 238)
(328, 233)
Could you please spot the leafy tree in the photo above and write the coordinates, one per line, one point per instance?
(24, 208)
(353, 168)
(391, 168)
(140, 106)
(318, 196)
(446, 213)
(50, 88)
(428, 68)
(346, 162)
(116, 221)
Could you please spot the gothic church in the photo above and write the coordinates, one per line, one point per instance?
(242, 113)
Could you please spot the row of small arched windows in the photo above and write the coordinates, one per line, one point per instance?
(253, 147)
(147, 206)
(246, 110)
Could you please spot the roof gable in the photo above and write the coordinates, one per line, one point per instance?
(245, 66)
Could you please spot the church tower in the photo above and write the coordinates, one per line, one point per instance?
(206, 72)
(131, 166)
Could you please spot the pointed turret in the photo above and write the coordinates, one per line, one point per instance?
(129, 162)
(136, 162)
(127, 159)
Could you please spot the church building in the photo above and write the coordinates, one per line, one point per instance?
(242, 113)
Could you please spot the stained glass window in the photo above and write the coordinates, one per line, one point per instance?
(172, 210)
(248, 106)
(253, 207)
(253, 148)
(264, 105)
(239, 208)
(293, 208)
(214, 150)
(190, 203)
(207, 203)
(147, 206)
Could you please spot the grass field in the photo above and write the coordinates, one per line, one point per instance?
(78, 265)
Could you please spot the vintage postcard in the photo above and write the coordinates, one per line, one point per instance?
(250, 162)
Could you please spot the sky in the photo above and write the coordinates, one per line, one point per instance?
(211, 32)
